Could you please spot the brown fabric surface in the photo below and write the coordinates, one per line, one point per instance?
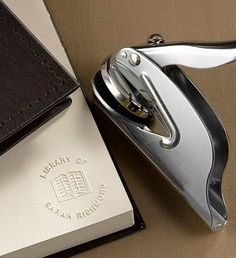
(91, 30)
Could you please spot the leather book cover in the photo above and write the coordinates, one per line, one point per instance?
(33, 85)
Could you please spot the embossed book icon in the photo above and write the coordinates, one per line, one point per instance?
(70, 185)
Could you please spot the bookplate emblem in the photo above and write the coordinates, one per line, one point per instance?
(70, 196)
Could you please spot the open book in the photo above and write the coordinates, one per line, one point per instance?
(70, 185)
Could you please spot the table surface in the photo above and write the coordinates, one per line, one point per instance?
(91, 30)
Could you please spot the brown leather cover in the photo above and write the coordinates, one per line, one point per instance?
(33, 85)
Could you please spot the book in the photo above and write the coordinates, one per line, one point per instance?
(61, 193)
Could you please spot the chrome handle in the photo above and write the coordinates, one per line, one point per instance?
(199, 56)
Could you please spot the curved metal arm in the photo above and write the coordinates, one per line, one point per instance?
(192, 55)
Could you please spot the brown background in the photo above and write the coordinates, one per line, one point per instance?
(91, 30)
